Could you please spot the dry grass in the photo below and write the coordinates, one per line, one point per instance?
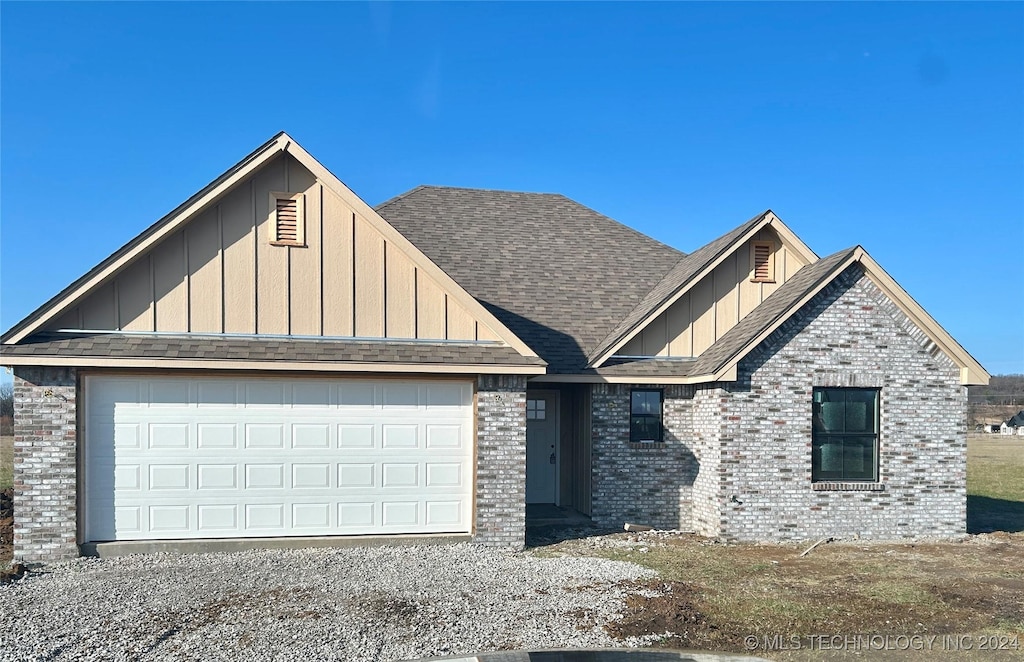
(973, 587)
(6, 462)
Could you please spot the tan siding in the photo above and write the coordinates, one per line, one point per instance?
(635, 347)
(460, 324)
(169, 284)
(655, 338)
(401, 295)
(369, 274)
(98, 311)
(304, 279)
(69, 320)
(750, 292)
(337, 266)
(483, 332)
(715, 305)
(205, 286)
(726, 296)
(430, 320)
(135, 297)
(702, 297)
(219, 273)
(272, 310)
(793, 264)
(680, 332)
(237, 216)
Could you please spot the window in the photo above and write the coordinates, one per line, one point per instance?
(844, 434)
(287, 219)
(645, 416)
(536, 410)
(762, 262)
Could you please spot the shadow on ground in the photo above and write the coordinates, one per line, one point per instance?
(987, 515)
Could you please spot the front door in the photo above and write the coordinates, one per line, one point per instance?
(542, 447)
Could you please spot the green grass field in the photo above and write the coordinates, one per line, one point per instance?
(995, 483)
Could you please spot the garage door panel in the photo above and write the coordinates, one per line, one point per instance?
(279, 457)
(217, 477)
(167, 436)
(356, 435)
(261, 394)
(311, 435)
(217, 393)
(264, 435)
(311, 476)
(216, 518)
(168, 393)
(217, 435)
(397, 436)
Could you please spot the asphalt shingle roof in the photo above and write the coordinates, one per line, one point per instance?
(560, 275)
(232, 348)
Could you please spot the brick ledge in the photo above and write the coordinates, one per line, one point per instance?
(834, 486)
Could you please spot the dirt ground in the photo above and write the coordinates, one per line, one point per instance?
(767, 600)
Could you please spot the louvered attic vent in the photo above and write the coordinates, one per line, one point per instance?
(763, 258)
(287, 226)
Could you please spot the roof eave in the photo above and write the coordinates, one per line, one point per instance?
(135, 363)
(971, 371)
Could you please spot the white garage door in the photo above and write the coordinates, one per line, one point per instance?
(171, 458)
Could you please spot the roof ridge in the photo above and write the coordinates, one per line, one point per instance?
(399, 197)
(632, 230)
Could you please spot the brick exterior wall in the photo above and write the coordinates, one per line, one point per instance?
(501, 461)
(708, 502)
(45, 475)
(642, 483)
(850, 335)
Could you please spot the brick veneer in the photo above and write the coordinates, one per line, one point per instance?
(642, 483)
(851, 334)
(737, 458)
(501, 461)
(45, 476)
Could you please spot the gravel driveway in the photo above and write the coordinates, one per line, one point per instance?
(376, 604)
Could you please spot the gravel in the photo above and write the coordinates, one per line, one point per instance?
(379, 604)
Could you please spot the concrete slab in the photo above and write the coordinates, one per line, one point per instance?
(204, 546)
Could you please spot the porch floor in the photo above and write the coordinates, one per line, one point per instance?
(548, 514)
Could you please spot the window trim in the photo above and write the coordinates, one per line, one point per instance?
(300, 218)
(769, 262)
(633, 437)
(821, 482)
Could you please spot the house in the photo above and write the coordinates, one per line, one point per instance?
(1016, 421)
(277, 360)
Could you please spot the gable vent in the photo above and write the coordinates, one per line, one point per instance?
(287, 222)
(762, 256)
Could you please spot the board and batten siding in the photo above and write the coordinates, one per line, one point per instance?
(221, 274)
(715, 304)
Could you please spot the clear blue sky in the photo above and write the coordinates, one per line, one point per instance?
(896, 126)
